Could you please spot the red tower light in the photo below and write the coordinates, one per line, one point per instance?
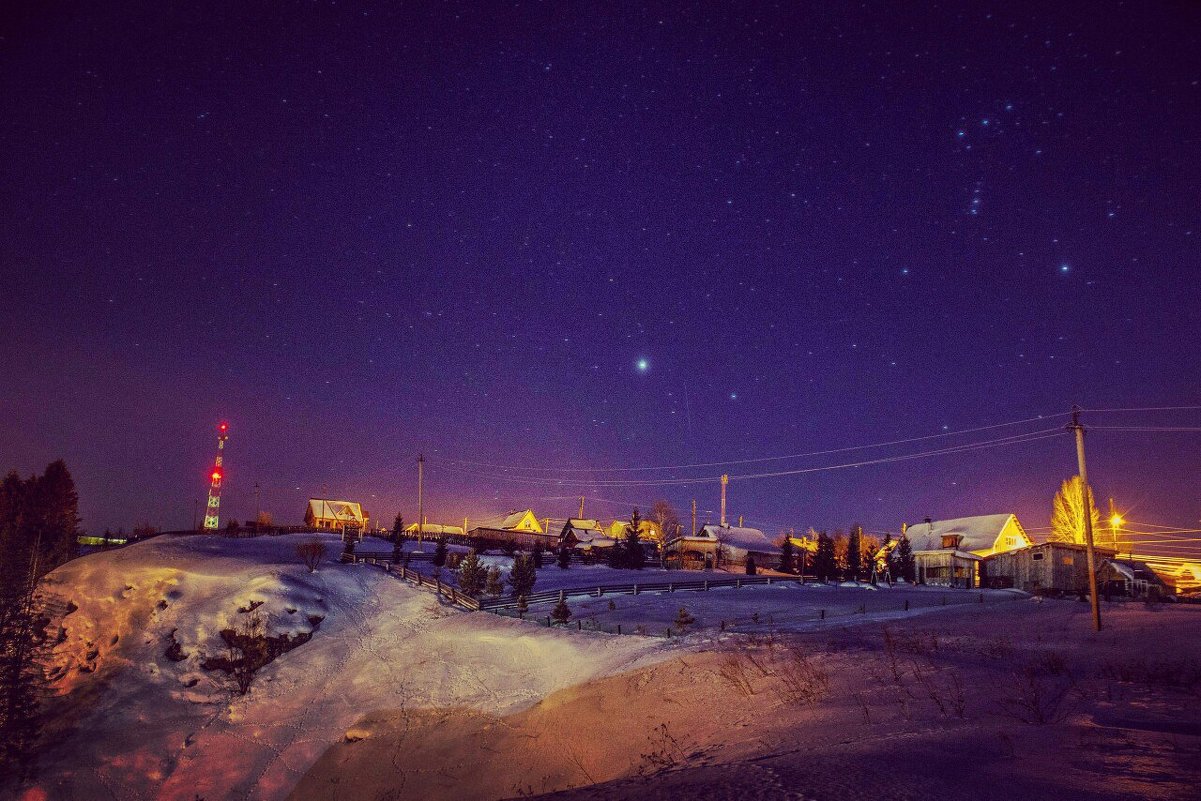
(216, 475)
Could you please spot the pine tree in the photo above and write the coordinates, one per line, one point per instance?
(537, 555)
(440, 552)
(905, 559)
(855, 552)
(494, 586)
(523, 575)
(823, 562)
(633, 554)
(472, 575)
(522, 606)
(751, 569)
(786, 555)
(561, 613)
(564, 557)
(39, 527)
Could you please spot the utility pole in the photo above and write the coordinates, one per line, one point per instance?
(1076, 427)
(420, 493)
(258, 507)
(581, 507)
(694, 517)
(724, 481)
(195, 509)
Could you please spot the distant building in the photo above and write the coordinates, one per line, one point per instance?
(585, 534)
(648, 530)
(520, 528)
(723, 546)
(1137, 579)
(335, 515)
(1051, 568)
(433, 531)
(949, 553)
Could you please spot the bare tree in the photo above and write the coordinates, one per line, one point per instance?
(1067, 512)
(311, 553)
(668, 519)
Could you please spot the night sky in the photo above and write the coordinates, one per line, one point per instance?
(584, 236)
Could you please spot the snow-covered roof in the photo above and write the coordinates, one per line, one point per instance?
(340, 511)
(741, 538)
(509, 521)
(584, 529)
(975, 534)
(436, 529)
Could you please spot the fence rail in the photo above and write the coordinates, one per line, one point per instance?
(701, 585)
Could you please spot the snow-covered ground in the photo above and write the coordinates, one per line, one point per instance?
(132, 723)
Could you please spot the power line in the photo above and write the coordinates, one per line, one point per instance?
(761, 458)
(1013, 439)
(1145, 428)
(1147, 409)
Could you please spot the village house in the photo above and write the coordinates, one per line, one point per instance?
(1137, 579)
(1052, 568)
(949, 553)
(520, 528)
(432, 531)
(723, 546)
(585, 535)
(338, 516)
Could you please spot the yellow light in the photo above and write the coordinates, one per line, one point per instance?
(1115, 521)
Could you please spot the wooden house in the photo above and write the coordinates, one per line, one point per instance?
(1054, 568)
(949, 553)
(723, 546)
(520, 528)
(335, 515)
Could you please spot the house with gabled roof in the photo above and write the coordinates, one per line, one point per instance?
(335, 515)
(585, 534)
(724, 546)
(950, 552)
(519, 528)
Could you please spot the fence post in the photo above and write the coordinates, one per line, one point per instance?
(600, 591)
(981, 597)
(823, 614)
(548, 621)
(738, 584)
(562, 597)
(706, 585)
(619, 628)
(579, 625)
(669, 631)
(635, 589)
(906, 604)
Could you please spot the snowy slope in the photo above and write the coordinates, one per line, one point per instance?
(131, 723)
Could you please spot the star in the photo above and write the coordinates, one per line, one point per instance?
(643, 365)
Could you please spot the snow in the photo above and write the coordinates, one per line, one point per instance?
(132, 721)
(978, 533)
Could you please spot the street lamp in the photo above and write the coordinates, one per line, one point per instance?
(1115, 523)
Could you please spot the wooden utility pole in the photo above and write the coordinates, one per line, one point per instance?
(725, 479)
(420, 496)
(258, 507)
(694, 517)
(581, 517)
(1076, 427)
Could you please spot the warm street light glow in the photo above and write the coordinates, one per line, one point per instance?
(1115, 521)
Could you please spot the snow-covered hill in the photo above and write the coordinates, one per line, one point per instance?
(134, 720)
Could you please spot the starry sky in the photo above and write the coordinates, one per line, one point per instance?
(569, 238)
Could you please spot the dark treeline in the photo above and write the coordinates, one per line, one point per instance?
(39, 528)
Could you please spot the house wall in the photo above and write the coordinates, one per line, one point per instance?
(1042, 568)
(945, 569)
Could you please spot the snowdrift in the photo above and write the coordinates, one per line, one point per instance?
(137, 716)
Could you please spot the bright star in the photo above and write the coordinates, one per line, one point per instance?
(643, 365)
(1064, 268)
